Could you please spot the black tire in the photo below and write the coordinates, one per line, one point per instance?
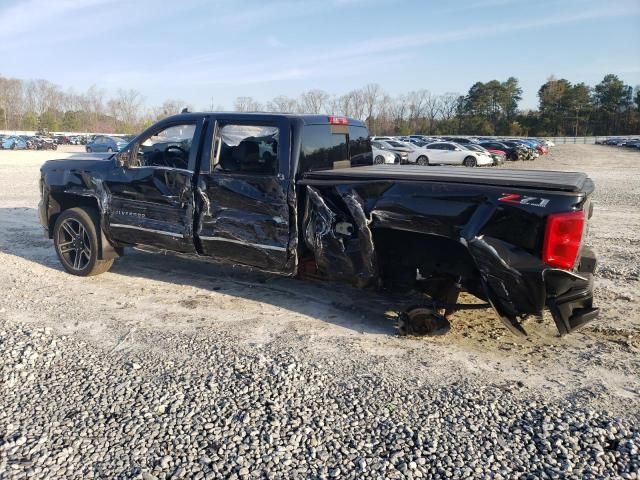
(76, 242)
(88, 149)
(13, 146)
(422, 160)
(379, 160)
(110, 150)
(470, 162)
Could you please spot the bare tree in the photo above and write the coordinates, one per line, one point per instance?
(449, 105)
(431, 110)
(314, 101)
(168, 108)
(11, 102)
(417, 103)
(371, 95)
(356, 104)
(246, 104)
(284, 104)
(126, 108)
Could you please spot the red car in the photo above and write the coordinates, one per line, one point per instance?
(542, 150)
(499, 156)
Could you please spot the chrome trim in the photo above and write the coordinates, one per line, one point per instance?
(160, 167)
(150, 230)
(241, 242)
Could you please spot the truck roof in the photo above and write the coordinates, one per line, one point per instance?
(308, 119)
(533, 179)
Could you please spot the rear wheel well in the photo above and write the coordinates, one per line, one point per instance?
(439, 260)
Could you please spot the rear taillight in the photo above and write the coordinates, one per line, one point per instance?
(338, 121)
(562, 239)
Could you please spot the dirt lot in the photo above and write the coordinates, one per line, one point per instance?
(151, 309)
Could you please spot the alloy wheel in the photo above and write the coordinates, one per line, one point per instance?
(74, 244)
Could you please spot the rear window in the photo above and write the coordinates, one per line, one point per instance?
(323, 150)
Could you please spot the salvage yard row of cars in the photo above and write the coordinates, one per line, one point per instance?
(621, 142)
(467, 151)
(93, 143)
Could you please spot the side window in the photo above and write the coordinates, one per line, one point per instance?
(247, 149)
(321, 149)
(435, 146)
(169, 147)
(359, 146)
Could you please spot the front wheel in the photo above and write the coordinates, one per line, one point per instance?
(422, 160)
(379, 160)
(88, 149)
(76, 242)
(469, 162)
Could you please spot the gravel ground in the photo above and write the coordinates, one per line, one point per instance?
(167, 367)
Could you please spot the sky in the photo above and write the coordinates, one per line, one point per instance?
(208, 52)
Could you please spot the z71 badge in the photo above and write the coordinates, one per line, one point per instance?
(524, 200)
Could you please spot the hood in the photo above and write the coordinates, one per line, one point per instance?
(80, 161)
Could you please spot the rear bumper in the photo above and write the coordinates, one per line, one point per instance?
(570, 296)
(574, 309)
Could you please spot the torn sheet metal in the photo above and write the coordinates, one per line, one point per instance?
(340, 238)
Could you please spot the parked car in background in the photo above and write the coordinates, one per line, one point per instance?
(382, 138)
(399, 148)
(14, 143)
(497, 155)
(45, 143)
(384, 156)
(449, 153)
(103, 143)
(512, 153)
(460, 140)
(524, 152)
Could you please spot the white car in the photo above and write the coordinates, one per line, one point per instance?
(383, 156)
(448, 153)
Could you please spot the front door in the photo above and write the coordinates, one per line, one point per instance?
(244, 211)
(152, 196)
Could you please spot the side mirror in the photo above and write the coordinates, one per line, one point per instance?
(123, 158)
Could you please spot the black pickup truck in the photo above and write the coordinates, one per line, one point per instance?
(298, 195)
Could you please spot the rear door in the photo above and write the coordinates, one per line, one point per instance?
(243, 192)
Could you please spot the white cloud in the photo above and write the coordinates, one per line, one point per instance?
(29, 15)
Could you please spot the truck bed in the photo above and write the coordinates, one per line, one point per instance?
(532, 179)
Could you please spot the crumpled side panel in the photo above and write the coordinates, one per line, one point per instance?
(342, 250)
(365, 261)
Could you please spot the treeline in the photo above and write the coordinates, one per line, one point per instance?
(42, 105)
(492, 108)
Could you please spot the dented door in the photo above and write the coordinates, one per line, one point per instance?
(244, 213)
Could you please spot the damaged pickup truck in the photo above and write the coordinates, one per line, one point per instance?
(298, 195)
